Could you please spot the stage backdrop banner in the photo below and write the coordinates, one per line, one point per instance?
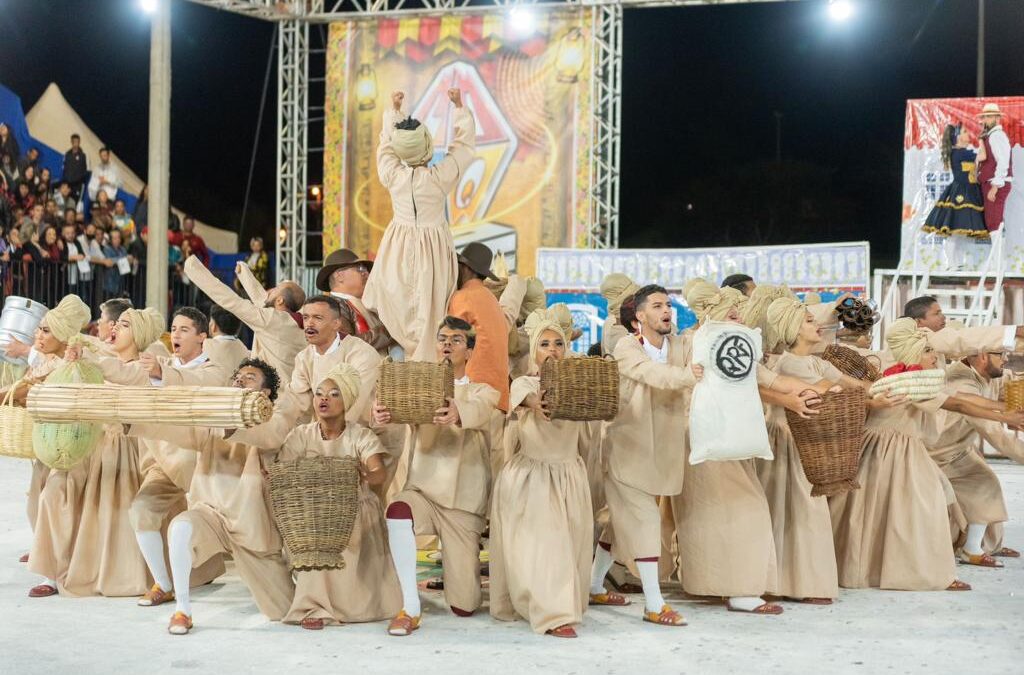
(530, 92)
(924, 179)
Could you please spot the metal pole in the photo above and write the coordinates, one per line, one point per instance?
(981, 48)
(159, 155)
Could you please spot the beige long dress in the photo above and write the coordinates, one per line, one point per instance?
(415, 270)
(367, 588)
(801, 523)
(893, 532)
(542, 522)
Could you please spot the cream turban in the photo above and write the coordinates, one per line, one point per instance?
(67, 319)
(560, 312)
(710, 302)
(538, 322)
(348, 381)
(756, 309)
(147, 326)
(534, 299)
(784, 318)
(616, 288)
(414, 147)
(907, 341)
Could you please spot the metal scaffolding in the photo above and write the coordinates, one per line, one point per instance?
(292, 145)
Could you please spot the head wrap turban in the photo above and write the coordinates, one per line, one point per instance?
(907, 341)
(560, 312)
(756, 309)
(413, 146)
(67, 319)
(147, 326)
(348, 381)
(536, 324)
(710, 302)
(783, 320)
(616, 288)
(534, 299)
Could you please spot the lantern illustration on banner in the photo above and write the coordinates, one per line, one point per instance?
(366, 87)
(569, 62)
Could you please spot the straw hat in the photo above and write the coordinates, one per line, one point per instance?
(991, 109)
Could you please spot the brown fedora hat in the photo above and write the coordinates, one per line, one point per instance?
(343, 257)
(478, 258)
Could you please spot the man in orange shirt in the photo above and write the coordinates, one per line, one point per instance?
(475, 303)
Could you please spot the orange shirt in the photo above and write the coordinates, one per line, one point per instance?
(489, 363)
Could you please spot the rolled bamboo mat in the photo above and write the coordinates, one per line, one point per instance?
(218, 407)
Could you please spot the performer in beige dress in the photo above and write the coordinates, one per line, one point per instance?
(541, 517)
(448, 485)
(893, 532)
(228, 512)
(367, 588)
(84, 543)
(415, 270)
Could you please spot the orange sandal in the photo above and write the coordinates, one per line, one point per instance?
(958, 585)
(767, 609)
(1005, 552)
(403, 624)
(155, 596)
(981, 560)
(312, 624)
(181, 624)
(666, 617)
(565, 631)
(609, 598)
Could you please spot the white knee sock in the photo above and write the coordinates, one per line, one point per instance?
(403, 552)
(152, 546)
(975, 534)
(745, 603)
(49, 582)
(652, 586)
(602, 563)
(179, 544)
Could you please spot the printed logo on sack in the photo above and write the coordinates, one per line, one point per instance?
(733, 356)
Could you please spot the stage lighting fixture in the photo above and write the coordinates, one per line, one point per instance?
(366, 87)
(570, 57)
(282, 234)
(148, 6)
(840, 10)
(523, 20)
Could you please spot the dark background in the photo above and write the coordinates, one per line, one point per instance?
(701, 86)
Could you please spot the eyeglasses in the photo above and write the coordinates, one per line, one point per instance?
(1005, 356)
(453, 340)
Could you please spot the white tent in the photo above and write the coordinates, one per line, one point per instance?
(52, 120)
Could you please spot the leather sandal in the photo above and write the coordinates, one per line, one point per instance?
(958, 585)
(312, 624)
(565, 631)
(24, 558)
(666, 617)
(42, 591)
(1005, 552)
(767, 609)
(403, 624)
(181, 624)
(610, 598)
(155, 596)
(981, 560)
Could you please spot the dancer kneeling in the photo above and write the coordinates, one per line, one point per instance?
(541, 517)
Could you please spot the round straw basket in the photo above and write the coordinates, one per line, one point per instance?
(829, 443)
(413, 391)
(916, 385)
(581, 388)
(849, 362)
(15, 428)
(315, 501)
(1014, 395)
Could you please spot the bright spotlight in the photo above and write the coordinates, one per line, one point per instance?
(148, 6)
(523, 20)
(840, 10)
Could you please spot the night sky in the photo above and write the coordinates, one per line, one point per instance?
(700, 87)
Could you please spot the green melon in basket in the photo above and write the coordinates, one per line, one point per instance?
(62, 446)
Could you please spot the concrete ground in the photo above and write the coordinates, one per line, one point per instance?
(865, 632)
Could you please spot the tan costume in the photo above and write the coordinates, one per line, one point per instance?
(367, 588)
(225, 352)
(311, 368)
(801, 523)
(541, 522)
(957, 342)
(415, 271)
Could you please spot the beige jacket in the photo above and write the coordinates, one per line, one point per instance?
(311, 367)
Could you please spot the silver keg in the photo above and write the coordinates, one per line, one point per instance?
(19, 320)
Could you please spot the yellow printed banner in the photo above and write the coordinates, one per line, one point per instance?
(529, 88)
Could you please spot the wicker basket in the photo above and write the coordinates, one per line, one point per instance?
(849, 362)
(315, 501)
(916, 385)
(15, 428)
(1014, 391)
(415, 390)
(830, 443)
(582, 388)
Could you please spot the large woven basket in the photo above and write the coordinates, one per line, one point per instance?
(849, 362)
(583, 388)
(15, 429)
(413, 391)
(829, 443)
(916, 385)
(315, 501)
(1014, 390)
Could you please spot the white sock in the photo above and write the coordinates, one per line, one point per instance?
(648, 572)
(179, 543)
(602, 563)
(403, 552)
(975, 534)
(49, 582)
(152, 546)
(745, 603)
